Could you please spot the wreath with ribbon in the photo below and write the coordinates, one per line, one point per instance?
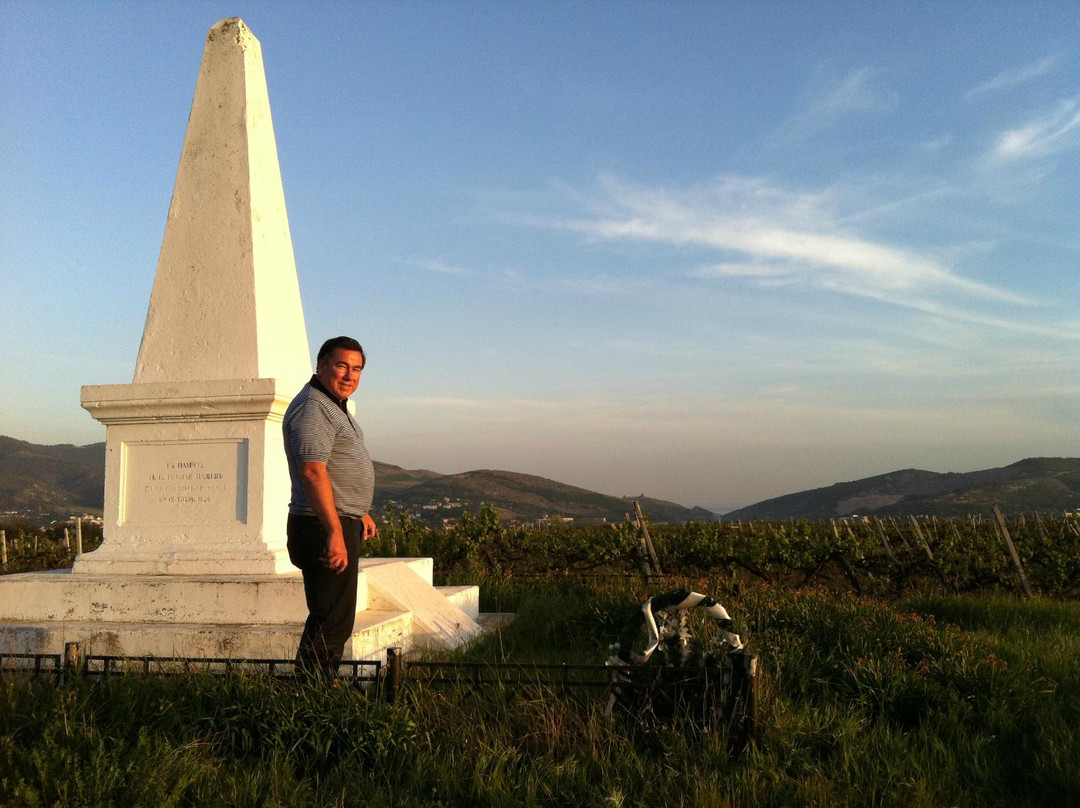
(669, 643)
(665, 619)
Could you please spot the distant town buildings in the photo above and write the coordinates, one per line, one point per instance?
(44, 520)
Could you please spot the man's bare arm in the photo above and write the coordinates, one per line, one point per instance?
(320, 496)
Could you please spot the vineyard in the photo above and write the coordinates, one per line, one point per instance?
(884, 558)
(26, 547)
(877, 557)
(903, 663)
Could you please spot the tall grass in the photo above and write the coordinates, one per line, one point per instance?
(930, 702)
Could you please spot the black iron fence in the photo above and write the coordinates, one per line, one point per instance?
(73, 662)
(727, 693)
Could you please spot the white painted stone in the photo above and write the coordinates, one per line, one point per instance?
(375, 632)
(226, 301)
(439, 623)
(423, 567)
(225, 617)
(61, 596)
(466, 598)
(196, 480)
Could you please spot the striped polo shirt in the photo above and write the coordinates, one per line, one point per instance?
(319, 429)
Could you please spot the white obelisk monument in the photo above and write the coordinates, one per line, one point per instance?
(194, 560)
(195, 476)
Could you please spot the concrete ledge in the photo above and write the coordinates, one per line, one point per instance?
(216, 399)
(373, 634)
(171, 599)
(246, 616)
(466, 598)
(423, 567)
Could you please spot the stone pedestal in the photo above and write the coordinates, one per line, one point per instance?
(195, 478)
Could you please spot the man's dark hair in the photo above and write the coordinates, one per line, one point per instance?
(345, 343)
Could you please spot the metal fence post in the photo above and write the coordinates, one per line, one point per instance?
(394, 673)
(745, 677)
(751, 692)
(72, 657)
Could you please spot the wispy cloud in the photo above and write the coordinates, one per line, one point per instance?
(763, 232)
(890, 208)
(936, 144)
(603, 285)
(735, 269)
(441, 268)
(856, 93)
(455, 403)
(1007, 79)
(1057, 131)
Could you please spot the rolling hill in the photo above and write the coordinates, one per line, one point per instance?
(1041, 483)
(51, 482)
(47, 482)
(524, 498)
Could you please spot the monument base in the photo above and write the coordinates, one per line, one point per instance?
(219, 617)
(195, 478)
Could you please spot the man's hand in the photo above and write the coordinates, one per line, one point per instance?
(336, 558)
(370, 528)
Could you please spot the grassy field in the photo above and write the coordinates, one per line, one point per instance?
(931, 700)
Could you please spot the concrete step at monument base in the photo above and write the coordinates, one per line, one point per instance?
(60, 595)
(466, 598)
(373, 633)
(438, 623)
(243, 616)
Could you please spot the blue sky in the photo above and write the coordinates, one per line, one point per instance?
(712, 252)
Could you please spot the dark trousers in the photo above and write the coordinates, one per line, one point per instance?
(331, 596)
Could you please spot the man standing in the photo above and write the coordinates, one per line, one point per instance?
(333, 481)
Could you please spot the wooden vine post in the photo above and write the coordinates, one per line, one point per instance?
(1043, 534)
(922, 537)
(654, 562)
(896, 527)
(1003, 531)
(884, 540)
(3, 549)
(78, 536)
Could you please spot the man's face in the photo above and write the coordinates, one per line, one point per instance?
(339, 371)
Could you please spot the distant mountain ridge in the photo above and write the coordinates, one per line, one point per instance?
(50, 482)
(524, 498)
(56, 481)
(1038, 483)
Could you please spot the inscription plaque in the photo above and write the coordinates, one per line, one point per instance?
(184, 482)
